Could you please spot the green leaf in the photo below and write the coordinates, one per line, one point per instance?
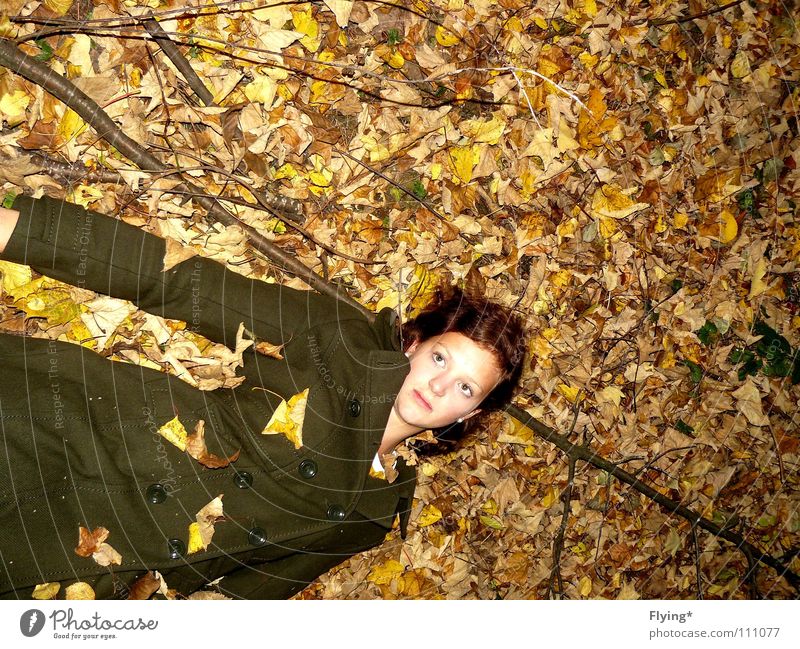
(8, 199)
(684, 428)
(394, 37)
(708, 333)
(676, 285)
(747, 201)
(418, 189)
(46, 51)
(491, 521)
(695, 371)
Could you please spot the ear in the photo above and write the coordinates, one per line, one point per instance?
(471, 414)
(413, 346)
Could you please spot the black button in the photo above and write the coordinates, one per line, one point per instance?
(257, 536)
(177, 548)
(156, 494)
(243, 480)
(307, 469)
(354, 408)
(336, 513)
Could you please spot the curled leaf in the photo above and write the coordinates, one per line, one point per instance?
(196, 447)
(92, 544)
(144, 586)
(200, 532)
(288, 419)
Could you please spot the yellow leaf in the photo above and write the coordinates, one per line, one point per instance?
(262, 89)
(483, 131)
(13, 276)
(71, 125)
(59, 7)
(286, 171)
(46, 298)
(445, 37)
(430, 514)
(680, 220)
(658, 75)
(305, 24)
(46, 591)
(201, 532)
(614, 202)
(490, 506)
(79, 590)
(83, 195)
(585, 586)
(288, 419)
(12, 107)
(740, 67)
(175, 433)
(385, 573)
(568, 391)
(723, 227)
(462, 162)
(550, 497)
(757, 283)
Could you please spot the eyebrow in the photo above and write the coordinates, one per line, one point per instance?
(471, 380)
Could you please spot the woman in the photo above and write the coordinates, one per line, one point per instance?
(81, 447)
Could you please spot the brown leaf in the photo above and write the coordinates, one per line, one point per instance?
(268, 349)
(196, 447)
(144, 586)
(92, 544)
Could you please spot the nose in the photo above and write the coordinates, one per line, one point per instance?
(437, 385)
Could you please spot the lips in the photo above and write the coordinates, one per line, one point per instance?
(421, 401)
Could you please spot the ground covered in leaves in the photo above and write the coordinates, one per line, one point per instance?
(623, 174)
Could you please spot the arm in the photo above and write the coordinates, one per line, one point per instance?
(8, 219)
(93, 251)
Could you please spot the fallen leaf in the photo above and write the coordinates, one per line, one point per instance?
(144, 586)
(196, 447)
(92, 544)
(46, 591)
(287, 419)
(613, 202)
(201, 532)
(269, 349)
(80, 590)
(175, 433)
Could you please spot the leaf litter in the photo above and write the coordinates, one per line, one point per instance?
(622, 175)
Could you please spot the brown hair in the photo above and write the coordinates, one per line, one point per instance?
(490, 325)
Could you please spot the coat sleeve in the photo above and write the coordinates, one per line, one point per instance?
(92, 251)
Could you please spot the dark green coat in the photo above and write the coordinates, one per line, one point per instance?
(79, 447)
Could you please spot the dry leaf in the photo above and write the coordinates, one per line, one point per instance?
(269, 349)
(287, 419)
(79, 591)
(196, 447)
(144, 586)
(92, 544)
(175, 433)
(201, 532)
(46, 591)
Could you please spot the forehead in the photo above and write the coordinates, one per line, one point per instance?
(480, 363)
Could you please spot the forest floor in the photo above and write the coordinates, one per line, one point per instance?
(622, 174)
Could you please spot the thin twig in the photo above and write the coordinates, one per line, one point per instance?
(37, 72)
(586, 454)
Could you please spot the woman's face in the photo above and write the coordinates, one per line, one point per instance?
(450, 375)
